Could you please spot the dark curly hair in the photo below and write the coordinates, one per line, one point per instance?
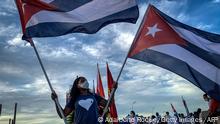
(74, 93)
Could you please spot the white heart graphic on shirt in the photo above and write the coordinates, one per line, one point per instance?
(86, 104)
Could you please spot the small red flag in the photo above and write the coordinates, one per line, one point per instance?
(113, 110)
(99, 88)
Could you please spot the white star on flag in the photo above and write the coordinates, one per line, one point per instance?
(153, 30)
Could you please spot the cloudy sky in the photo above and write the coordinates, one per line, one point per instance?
(65, 57)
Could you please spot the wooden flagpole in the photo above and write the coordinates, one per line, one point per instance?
(48, 81)
(114, 89)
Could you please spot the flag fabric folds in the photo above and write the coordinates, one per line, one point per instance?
(99, 88)
(46, 18)
(112, 107)
(189, 52)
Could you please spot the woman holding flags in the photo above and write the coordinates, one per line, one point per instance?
(83, 103)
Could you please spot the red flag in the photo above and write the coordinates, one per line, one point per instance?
(99, 88)
(113, 110)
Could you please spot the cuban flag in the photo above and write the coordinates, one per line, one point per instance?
(189, 52)
(47, 18)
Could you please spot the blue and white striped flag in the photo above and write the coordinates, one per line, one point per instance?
(46, 18)
(189, 52)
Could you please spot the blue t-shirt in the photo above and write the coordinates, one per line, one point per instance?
(86, 109)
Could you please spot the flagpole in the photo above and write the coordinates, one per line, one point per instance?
(15, 113)
(0, 110)
(93, 87)
(48, 81)
(9, 121)
(114, 89)
(185, 106)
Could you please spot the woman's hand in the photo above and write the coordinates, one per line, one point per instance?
(53, 95)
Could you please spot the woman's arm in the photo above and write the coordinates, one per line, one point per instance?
(66, 111)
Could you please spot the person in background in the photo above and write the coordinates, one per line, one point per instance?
(158, 118)
(149, 120)
(153, 119)
(190, 118)
(176, 118)
(206, 97)
(133, 118)
(214, 107)
(168, 118)
(196, 115)
(199, 110)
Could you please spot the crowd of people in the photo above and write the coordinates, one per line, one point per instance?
(196, 117)
(167, 118)
(83, 105)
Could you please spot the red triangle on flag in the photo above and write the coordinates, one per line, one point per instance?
(27, 8)
(154, 31)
